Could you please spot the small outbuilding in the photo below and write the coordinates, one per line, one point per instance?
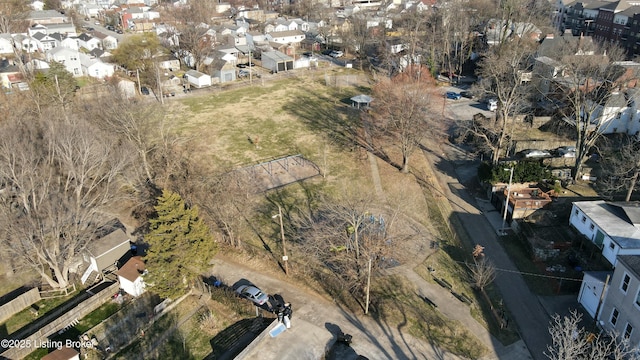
(197, 79)
(103, 253)
(361, 101)
(130, 276)
(64, 353)
(276, 61)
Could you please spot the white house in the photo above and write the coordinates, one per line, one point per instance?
(95, 68)
(130, 276)
(68, 57)
(37, 5)
(44, 41)
(89, 42)
(107, 42)
(612, 226)
(289, 37)
(6, 44)
(70, 42)
(89, 10)
(197, 79)
(25, 43)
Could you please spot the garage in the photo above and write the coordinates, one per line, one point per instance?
(276, 61)
(591, 290)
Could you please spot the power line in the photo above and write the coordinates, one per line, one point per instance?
(530, 274)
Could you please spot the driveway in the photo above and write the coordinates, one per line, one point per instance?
(316, 322)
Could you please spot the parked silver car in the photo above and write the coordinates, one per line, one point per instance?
(252, 293)
(533, 153)
(566, 151)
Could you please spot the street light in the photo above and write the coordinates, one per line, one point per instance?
(285, 258)
(506, 201)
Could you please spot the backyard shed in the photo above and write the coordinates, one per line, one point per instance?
(277, 61)
(130, 276)
(197, 79)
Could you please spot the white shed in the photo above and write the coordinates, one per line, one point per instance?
(277, 61)
(197, 79)
(130, 276)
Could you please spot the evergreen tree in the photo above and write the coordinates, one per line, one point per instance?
(180, 246)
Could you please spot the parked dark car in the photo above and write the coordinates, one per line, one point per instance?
(144, 90)
(466, 94)
(453, 95)
(242, 66)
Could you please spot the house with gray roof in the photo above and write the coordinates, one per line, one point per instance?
(614, 227)
(620, 309)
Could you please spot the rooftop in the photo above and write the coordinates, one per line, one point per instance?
(132, 269)
(620, 220)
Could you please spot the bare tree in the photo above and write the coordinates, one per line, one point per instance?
(620, 166)
(569, 340)
(13, 14)
(502, 75)
(60, 180)
(402, 110)
(343, 234)
(483, 272)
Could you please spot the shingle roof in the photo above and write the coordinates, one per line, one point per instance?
(132, 269)
(631, 262)
(616, 220)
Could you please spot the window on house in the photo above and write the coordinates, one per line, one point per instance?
(576, 212)
(612, 245)
(591, 227)
(584, 219)
(614, 316)
(638, 298)
(625, 283)
(627, 331)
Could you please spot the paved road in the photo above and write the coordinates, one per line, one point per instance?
(532, 319)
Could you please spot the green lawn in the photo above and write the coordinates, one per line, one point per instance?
(24, 317)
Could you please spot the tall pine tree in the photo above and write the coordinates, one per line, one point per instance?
(180, 246)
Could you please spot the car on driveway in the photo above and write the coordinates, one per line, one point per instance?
(534, 154)
(336, 54)
(252, 293)
(565, 151)
(466, 94)
(144, 90)
(453, 95)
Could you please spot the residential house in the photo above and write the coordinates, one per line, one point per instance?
(10, 75)
(89, 42)
(614, 227)
(44, 41)
(130, 276)
(523, 200)
(497, 31)
(104, 253)
(169, 63)
(95, 68)
(37, 64)
(25, 43)
(290, 37)
(68, 57)
(197, 79)
(276, 61)
(223, 71)
(89, 10)
(6, 44)
(545, 70)
(37, 5)
(70, 42)
(62, 28)
(107, 42)
(63, 353)
(620, 312)
(46, 17)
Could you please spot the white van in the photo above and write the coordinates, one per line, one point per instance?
(492, 105)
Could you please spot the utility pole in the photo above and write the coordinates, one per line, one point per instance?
(285, 258)
(506, 201)
(366, 306)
